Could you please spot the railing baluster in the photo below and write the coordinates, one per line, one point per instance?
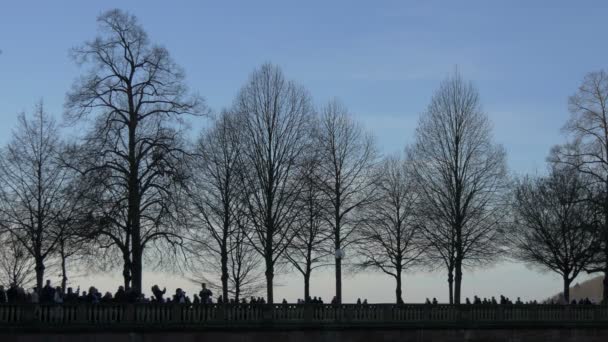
(322, 314)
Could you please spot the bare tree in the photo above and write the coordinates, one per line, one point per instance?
(217, 197)
(555, 226)
(245, 274)
(244, 266)
(31, 187)
(308, 250)
(16, 264)
(348, 156)
(390, 236)
(138, 98)
(275, 115)
(71, 222)
(588, 150)
(461, 176)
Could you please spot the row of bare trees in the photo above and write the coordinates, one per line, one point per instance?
(275, 184)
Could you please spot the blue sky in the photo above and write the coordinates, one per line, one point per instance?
(383, 59)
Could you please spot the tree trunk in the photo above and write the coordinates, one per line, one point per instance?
(269, 279)
(451, 285)
(225, 275)
(605, 281)
(338, 258)
(64, 274)
(605, 288)
(137, 252)
(566, 290)
(398, 291)
(134, 200)
(137, 270)
(306, 287)
(458, 281)
(339, 280)
(136, 248)
(338, 243)
(126, 271)
(39, 274)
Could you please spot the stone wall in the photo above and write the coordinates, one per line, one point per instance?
(355, 335)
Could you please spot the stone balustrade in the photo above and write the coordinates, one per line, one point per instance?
(153, 316)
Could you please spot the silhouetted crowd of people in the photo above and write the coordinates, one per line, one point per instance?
(506, 301)
(55, 295)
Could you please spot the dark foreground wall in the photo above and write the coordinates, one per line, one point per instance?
(366, 335)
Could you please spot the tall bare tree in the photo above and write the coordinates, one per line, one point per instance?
(588, 150)
(555, 226)
(71, 222)
(16, 265)
(216, 194)
(246, 273)
(31, 187)
(348, 157)
(390, 236)
(275, 114)
(244, 267)
(138, 97)
(308, 250)
(461, 175)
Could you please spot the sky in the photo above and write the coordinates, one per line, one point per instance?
(383, 59)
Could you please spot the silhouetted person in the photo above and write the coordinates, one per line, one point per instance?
(334, 301)
(58, 295)
(132, 295)
(70, 296)
(93, 297)
(205, 294)
(284, 301)
(359, 301)
(427, 301)
(2, 295)
(158, 294)
(48, 293)
(178, 297)
(220, 299)
(21, 295)
(34, 298)
(121, 295)
(468, 302)
(434, 301)
(196, 299)
(107, 298)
